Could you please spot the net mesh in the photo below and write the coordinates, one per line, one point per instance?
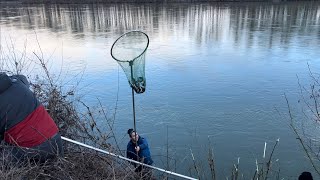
(129, 51)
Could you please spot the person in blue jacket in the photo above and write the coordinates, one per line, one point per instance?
(138, 150)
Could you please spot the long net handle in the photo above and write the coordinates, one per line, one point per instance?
(134, 110)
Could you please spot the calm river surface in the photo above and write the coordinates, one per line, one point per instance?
(215, 73)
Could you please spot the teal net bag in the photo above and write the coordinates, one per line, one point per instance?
(129, 51)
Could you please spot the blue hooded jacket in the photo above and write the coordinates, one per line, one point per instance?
(144, 152)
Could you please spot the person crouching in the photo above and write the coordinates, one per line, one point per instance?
(138, 150)
(25, 125)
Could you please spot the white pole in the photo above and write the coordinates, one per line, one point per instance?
(127, 159)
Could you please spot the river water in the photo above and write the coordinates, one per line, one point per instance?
(216, 74)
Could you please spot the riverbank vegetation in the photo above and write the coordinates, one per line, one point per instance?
(306, 129)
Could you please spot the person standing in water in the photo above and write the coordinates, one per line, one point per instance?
(138, 150)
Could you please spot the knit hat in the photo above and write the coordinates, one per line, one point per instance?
(305, 176)
(5, 82)
(130, 131)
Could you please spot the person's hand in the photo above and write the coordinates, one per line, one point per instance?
(137, 148)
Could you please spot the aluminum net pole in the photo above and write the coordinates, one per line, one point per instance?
(133, 106)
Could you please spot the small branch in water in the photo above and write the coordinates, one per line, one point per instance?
(269, 162)
(299, 137)
(110, 126)
(257, 170)
(194, 163)
(235, 174)
(211, 162)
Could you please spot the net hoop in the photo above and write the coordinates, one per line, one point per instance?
(124, 35)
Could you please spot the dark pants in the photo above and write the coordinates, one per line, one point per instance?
(144, 173)
(46, 151)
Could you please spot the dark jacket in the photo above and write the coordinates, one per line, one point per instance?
(24, 121)
(144, 152)
(16, 101)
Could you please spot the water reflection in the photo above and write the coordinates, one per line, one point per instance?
(203, 22)
(224, 89)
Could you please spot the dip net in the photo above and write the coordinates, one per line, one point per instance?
(129, 51)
